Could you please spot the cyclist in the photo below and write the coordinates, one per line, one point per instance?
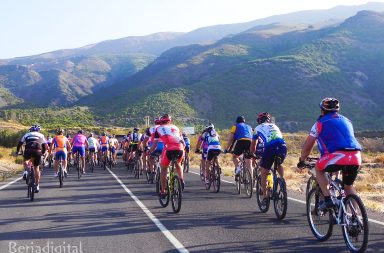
(187, 146)
(173, 141)
(148, 141)
(202, 144)
(133, 143)
(211, 137)
(338, 147)
(113, 146)
(60, 145)
(93, 146)
(35, 147)
(274, 145)
(79, 144)
(104, 146)
(242, 134)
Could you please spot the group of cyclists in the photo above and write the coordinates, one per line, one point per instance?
(339, 149)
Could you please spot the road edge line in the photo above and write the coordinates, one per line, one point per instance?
(10, 183)
(171, 238)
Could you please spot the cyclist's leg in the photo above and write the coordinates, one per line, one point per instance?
(164, 163)
(349, 177)
(265, 166)
(36, 160)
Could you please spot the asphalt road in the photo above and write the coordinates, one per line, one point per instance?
(97, 214)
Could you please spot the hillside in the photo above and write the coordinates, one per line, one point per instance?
(285, 70)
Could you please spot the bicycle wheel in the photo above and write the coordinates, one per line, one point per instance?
(311, 183)
(280, 200)
(356, 229)
(185, 165)
(263, 204)
(136, 169)
(78, 167)
(164, 201)
(216, 179)
(247, 181)
(238, 180)
(157, 179)
(202, 177)
(176, 194)
(320, 222)
(61, 175)
(92, 165)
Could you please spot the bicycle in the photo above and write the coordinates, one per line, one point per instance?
(348, 212)
(110, 160)
(157, 173)
(256, 169)
(50, 160)
(174, 188)
(244, 177)
(92, 162)
(136, 164)
(185, 163)
(31, 187)
(276, 191)
(60, 173)
(78, 165)
(214, 175)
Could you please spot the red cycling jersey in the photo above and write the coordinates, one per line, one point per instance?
(171, 136)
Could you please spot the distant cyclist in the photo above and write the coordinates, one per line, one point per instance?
(133, 142)
(242, 134)
(104, 146)
(113, 146)
(79, 144)
(274, 145)
(339, 149)
(211, 137)
(149, 140)
(61, 146)
(93, 145)
(35, 147)
(202, 144)
(187, 146)
(173, 141)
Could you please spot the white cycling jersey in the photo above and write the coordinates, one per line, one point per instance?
(92, 143)
(269, 133)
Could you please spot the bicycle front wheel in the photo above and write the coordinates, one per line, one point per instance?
(280, 200)
(176, 194)
(311, 183)
(356, 229)
(320, 222)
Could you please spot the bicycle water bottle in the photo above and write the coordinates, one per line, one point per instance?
(270, 180)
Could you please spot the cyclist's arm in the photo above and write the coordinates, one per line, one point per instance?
(154, 146)
(307, 148)
(231, 138)
(69, 146)
(19, 146)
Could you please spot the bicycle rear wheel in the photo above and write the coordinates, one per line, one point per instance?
(238, 180)
(216, 179)
(176, 194)
(247, 181)
(78, 167)
(185, 165)
(157, 179)
(320, 222)
(280, 199)
(202, 177)
(136, 169)
(61, 175)
(210, 179)
(356, 229)
(263, 205)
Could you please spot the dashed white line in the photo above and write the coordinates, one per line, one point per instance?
(176, 243)
(293, 199)
(10, 183)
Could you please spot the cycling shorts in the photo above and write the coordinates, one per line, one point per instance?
(35, 155)
(133, 147)
(268, 157)
(60, 155)
(212, 153)
(241, 147)
(92, 150)
(112, 149)
(167, 156)
(104, 149)
(81, 150)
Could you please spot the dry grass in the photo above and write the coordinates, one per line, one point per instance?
(8, 165)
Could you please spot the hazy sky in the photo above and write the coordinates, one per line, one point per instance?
(35, 26)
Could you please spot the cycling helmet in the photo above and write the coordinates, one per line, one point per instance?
(80, 131)
(210, 126)
(165, 119)
(157, 120)
(103, 134)
(330, 105)
(263, 117)
(91, 135)
(35, 128)
(60, 131)
(240, 119)
(135, 129)
(184, 135)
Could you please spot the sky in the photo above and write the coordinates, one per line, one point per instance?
(31, 27)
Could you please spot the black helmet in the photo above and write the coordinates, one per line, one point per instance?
(263, 117)
(135, 129)
(103, 134)
(240, 119)
(60, 131)
(330, 105)
(80, 131)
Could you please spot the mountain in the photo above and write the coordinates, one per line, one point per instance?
(283, 69)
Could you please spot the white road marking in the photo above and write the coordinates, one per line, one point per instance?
(6, 185)
(293, 199)
(176, 243)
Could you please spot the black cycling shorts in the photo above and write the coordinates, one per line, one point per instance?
(212, 153)
(349, 172)
(35, 155)
(241, 147)
(133, 147)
